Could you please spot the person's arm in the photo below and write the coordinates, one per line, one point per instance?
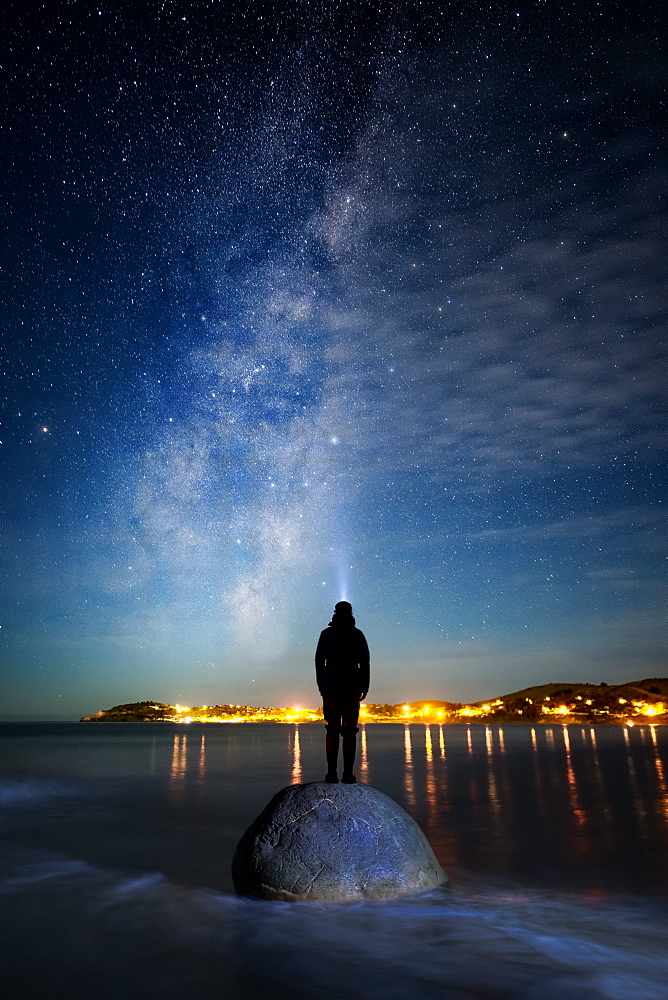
(320, 659)
(364, 662)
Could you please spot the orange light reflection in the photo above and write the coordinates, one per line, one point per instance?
(296, 776)
(364, 760)
(178, 768)
(658, 766)
(201, 768)
(409, 780)
(573, 796)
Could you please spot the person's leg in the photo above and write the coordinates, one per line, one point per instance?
(332, 752)
(349, 734)
(349, 750)
(332, 714)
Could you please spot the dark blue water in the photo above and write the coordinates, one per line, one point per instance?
(116, 842)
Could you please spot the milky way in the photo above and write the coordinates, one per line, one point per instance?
(337, 301)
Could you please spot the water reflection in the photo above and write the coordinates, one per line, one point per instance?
(489, 741)
(432, 796)
(177, 772)
(364, 759)
(441, 741)
(573, 797)
(492, 789)
(427, 744)
(201, 766)
(507, 787)
(598, 775)
(409, 779)
(658, 766)
(539, 784)
(296, 776)
(633, 777)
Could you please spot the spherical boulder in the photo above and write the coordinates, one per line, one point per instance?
(324, 841)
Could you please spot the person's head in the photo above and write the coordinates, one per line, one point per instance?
(343, 615)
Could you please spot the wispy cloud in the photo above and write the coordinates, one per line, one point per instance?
(514, 335)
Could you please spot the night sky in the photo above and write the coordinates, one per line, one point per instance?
(304, 301)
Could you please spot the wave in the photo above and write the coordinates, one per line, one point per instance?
(99, 932)
(28, 791)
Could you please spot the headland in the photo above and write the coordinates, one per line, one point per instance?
(635, 701)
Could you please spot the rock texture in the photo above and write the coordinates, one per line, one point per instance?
(333, 842)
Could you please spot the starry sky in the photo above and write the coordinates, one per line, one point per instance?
(319, 300)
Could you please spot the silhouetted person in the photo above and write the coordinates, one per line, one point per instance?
(342, 671)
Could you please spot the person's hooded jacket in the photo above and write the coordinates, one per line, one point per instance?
(342, 659)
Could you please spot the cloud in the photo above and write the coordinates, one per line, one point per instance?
(514, 335)
(636, 521)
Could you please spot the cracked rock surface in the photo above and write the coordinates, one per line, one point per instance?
(334, 842)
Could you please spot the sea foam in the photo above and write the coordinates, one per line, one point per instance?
(155, 938)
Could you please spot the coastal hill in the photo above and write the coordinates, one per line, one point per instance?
(642, 701)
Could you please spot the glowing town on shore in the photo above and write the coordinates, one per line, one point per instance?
(638, 701)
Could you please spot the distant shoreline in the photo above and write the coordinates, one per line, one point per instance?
(489, 721)
(568, 703)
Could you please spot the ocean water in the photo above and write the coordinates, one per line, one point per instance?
(116, 842)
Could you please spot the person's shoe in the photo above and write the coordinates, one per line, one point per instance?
(332, 778)
(348, 779)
